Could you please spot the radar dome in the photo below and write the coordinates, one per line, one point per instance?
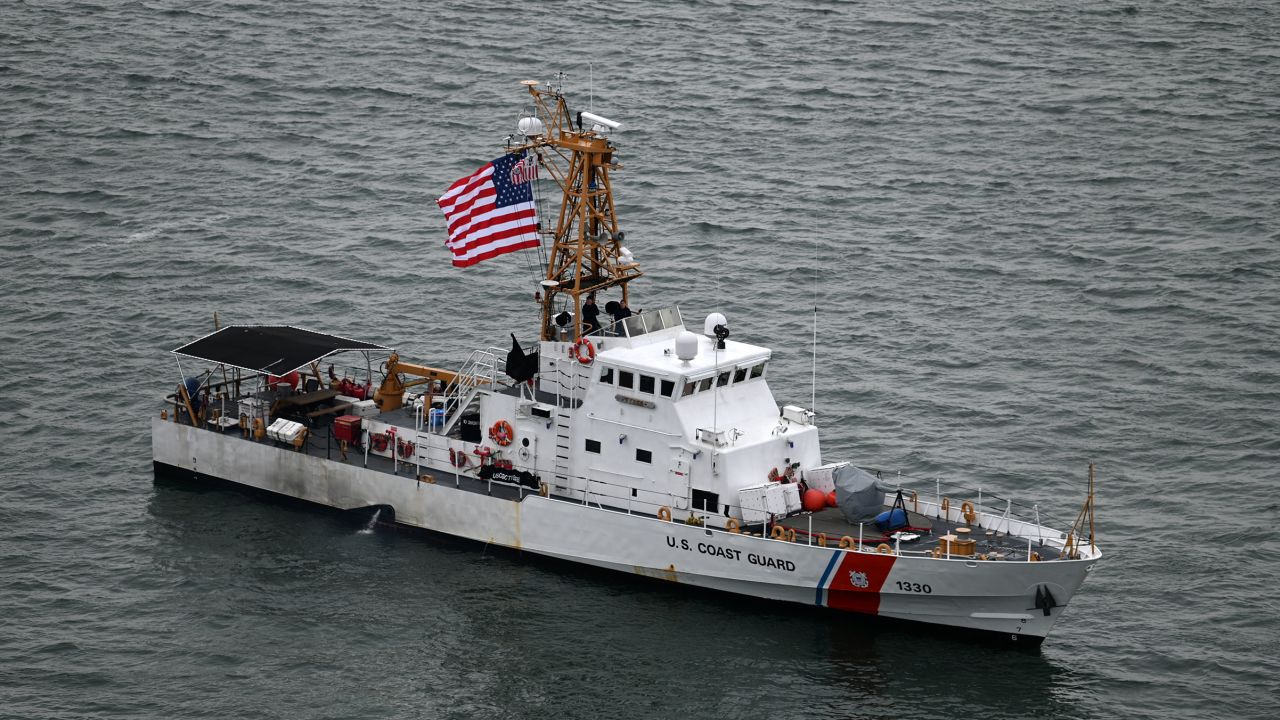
(686, 346)
(714, 319)
(530, 126)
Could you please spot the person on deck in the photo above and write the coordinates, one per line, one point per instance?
(590, 316)
(620, 313)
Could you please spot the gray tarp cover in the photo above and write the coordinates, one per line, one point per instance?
(859, 495)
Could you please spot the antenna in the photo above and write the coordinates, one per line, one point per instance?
(813, 378)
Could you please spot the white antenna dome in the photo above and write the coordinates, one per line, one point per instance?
(686, 346)
(530, 126)
(714, 319)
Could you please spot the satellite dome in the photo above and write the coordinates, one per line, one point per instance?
(714, 319)
(530, 126)
(686, 346)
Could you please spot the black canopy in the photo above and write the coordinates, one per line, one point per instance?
(275, 349)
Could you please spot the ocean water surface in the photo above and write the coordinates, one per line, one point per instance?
(1036, 236)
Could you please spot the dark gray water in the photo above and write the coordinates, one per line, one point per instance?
(1043, 236)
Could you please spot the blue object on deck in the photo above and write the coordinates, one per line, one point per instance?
(193, 392)
(891, 519)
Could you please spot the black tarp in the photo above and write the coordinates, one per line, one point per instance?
(274, 349)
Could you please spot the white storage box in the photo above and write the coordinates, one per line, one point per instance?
(254, 408)
(791, 497)
(823, 477)
(285, 431)
(364, 408)
(762, 501)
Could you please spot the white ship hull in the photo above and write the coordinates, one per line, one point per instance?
(995, 597)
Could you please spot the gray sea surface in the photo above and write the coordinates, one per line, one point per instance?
(1037, 235)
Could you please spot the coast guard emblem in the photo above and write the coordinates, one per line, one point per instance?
(858, 579)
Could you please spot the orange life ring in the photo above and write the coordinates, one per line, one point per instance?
(966, 509)
(777, 532)
(664, 514)
(946, 509)
(822, 539)
(846, 542)
(578, 347)
(733, 526)
(502, 433)
(915, 502)
(884, 549)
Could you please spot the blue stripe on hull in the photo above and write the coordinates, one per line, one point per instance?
(822, 584)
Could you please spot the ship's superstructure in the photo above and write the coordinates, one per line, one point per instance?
(641, 441)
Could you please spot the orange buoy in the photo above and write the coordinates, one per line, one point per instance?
(813, 500)
(831, 499)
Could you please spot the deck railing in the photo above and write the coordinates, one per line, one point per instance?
(934, 498)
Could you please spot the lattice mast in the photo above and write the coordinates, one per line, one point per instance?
(587, 252)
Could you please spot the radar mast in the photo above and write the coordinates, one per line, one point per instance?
(587, 254)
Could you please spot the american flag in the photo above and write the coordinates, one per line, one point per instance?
(490, 212)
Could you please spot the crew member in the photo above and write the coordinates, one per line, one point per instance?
(590, 316)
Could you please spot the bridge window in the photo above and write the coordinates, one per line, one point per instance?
(690, 388)
(606, 375)
(646, 384)
(757, 371)
(626, 379)
(644, 456)
(704, 385)
(668, 387)
(593, 446)
(739, 375)
(723, 379)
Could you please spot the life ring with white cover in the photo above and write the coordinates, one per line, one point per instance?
(584, 351)
(405, 448)
(457, 457)
(502, 433)
(380, 442)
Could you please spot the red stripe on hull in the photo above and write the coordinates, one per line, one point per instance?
(857, 582)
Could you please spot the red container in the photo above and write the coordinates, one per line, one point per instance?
(347, 429)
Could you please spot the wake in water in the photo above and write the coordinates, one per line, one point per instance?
(373, 521)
